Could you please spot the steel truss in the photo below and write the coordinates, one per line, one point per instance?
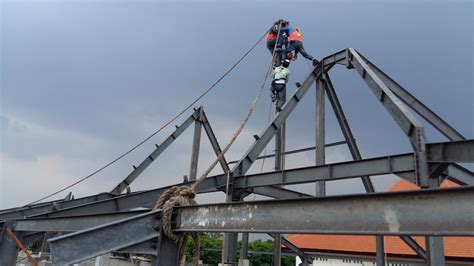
(105, 222)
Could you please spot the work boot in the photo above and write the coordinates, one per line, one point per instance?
(315, 62)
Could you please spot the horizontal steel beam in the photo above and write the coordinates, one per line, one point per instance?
(400, 213)
(26, 211)
(396, 164)
(105, 238)
(452, 151)
(352, 169)
(72, 223)
(425, 212)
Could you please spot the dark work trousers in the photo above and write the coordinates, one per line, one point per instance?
(271, 48)
(271, 45)
(296, 46)
(280, 91)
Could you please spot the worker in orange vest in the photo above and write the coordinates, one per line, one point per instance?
(295, 43)
(273, 33)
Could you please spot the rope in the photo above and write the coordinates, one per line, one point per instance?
(160, 129)
(184, 195)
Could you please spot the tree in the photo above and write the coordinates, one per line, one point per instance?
(208, 241)
(211, 244)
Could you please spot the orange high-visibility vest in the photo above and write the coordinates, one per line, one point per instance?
(296, 35)
(271, 36)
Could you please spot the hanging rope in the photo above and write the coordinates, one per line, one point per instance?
(184, 195)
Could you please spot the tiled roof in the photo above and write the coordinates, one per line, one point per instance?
(462, 247)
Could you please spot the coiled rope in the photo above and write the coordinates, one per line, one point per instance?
(184, 195)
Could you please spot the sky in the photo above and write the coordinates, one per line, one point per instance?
(83, 81)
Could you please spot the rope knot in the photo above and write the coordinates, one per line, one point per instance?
(178, 196)
(187, 192)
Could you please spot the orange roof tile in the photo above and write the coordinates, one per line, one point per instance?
(462, 247)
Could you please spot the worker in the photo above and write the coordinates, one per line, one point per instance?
(273, 34)
(272, 41)
(295, 43)
(280, 78)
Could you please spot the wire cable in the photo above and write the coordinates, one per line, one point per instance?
(161, 128)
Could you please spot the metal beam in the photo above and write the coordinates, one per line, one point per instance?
(354, 150)
(453, 151)
(195, 149)
(72, 223)
(404, 118)
(257, 147)
(249, 158)
(380, 250)
(460, 175)
(148, 247)
(8, 247)
(352, 169)
(421, 109)
(413, 212)
(158, 150)
(299, 252)
(25, 211)
(400, 213)
(320, 136)
(435, 251)
(411, 243)
(214, 143)
(105, 238)
(279, 193)
(394, 164)
(168, 251)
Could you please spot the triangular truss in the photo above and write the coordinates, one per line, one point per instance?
(106, 222)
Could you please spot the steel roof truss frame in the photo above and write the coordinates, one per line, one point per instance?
(398, 213)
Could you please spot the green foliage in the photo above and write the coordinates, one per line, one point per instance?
(260, 259)
(208, 241)
(36, 245)
(214, 241)
(288, 260)
(263, 259)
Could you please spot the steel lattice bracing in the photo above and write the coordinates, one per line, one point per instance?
(95, 220)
